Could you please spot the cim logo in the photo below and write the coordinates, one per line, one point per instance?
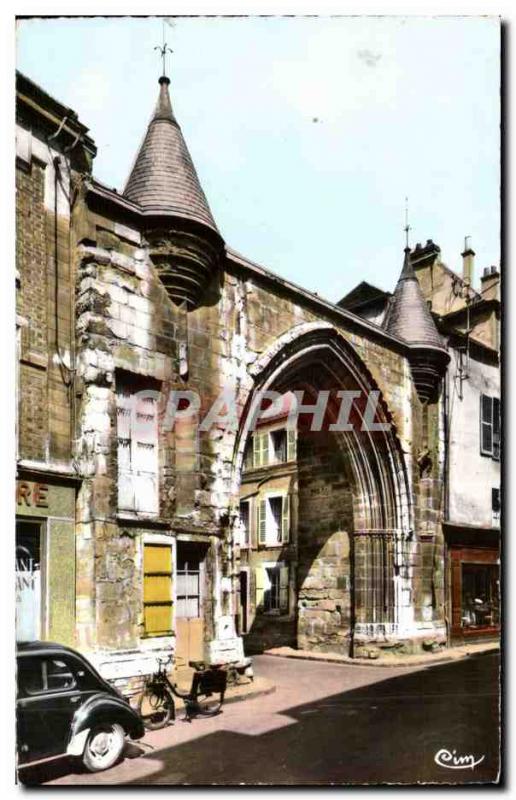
(450, 760)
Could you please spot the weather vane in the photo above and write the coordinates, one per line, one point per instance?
(407, 227)
(164, 49)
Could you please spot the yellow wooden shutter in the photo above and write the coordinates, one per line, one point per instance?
(157, 589)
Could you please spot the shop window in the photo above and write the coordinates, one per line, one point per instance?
(245, 523)
(29, 585)
(490, 426)
(272, 588)
(157, 589)
(137, 437)
(273, 520)
(480, 595)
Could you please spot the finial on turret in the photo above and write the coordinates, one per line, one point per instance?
(407, 227)
(163, 50)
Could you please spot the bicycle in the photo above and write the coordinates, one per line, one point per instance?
(156, 705)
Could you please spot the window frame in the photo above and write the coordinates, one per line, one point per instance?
(46, 690)
(130, 389)
(282, 609)
(284, 528)
(247, 544)
(492, 423)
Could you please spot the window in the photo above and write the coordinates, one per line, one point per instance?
(157, 589)
(42, 675)
(260, 449)
(137, 435)
(496, 504)
(490, 426)
(270, 447)
(279, 445)
(480, 595)
(273, 521)
(272, 588)
(188, 593)
(249, 455)
(245, 523)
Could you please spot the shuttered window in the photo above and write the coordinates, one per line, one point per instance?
(245, 523)
(137, 447)
(260, 449)
(291, 446)
(157, 589)
(273, 521)
(490, 426)
(272, 588)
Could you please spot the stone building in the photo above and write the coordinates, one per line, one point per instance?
(268, 538)
(469, 321)
(133, 297)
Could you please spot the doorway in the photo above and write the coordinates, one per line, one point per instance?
(29, 607)
(190, 580)
(244, 601)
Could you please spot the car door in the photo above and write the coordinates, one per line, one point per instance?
(49, 696)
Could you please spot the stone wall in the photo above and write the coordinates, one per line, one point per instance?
(325, 526)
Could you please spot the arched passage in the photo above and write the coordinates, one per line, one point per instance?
(348, 495)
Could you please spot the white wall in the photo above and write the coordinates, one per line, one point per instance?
(471, 475)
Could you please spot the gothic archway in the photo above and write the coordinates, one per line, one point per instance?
(352, 570)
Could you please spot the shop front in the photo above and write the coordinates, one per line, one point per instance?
(473, 582)
(45, 559)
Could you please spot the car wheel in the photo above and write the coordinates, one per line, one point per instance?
(104, 747)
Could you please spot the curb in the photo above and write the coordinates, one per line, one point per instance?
(370, 662)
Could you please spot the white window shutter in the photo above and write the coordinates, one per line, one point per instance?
(126, 493)
(265, 449)
(283, 599)
(285, 519)
(261, 521)
(260, 586)
(291, 445)
(256, 450)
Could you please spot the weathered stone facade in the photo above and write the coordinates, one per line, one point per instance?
(370, 548)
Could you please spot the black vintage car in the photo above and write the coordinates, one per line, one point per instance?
(65, 708)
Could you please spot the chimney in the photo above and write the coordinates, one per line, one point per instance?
(490, 283)
(468, 262)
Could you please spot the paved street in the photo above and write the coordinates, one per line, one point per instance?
(327, 724)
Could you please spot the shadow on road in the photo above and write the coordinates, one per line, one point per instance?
(386, 732)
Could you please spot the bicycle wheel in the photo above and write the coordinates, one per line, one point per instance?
(208, 704)
(207, 693)
(156, 707)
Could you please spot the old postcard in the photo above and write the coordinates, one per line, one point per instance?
(258, 401)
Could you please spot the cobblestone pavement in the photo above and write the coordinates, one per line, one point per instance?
(327, 724)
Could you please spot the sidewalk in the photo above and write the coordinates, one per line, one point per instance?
(245, 691)
(426, 659)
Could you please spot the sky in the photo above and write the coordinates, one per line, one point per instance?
(307, 133)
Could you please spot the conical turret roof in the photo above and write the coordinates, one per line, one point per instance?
(163, 179)
(409, 316)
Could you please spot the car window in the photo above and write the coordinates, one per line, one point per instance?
(39, 675)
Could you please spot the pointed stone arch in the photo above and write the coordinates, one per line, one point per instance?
(382, 507)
